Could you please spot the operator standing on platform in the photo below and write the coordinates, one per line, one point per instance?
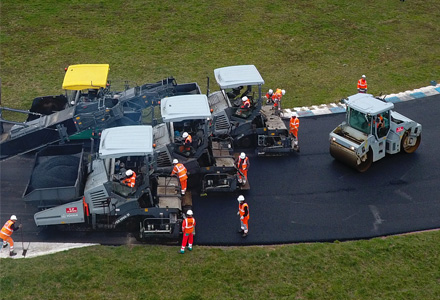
(188, 141)
(293, 126)
(243, 212)
(362, 84)
(188, 226)
(242, 164)
(6, 233)
(181, 172)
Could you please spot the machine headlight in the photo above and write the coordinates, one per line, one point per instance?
(333, 139)
(352, 148)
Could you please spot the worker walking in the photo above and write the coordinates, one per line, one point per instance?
(181, 172)
(243, 212)
(130, 178)
(188, 226)
(242, 164)
(6, 233)
(362, 84)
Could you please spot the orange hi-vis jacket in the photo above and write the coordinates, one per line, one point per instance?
(130, 181)
(269, 96)
(246, 104)
(278, 94)
(188, 225)
(294, 125)
(362, 84)
(243, 164)
(188, 140)
(242, 211)
(180, 170)
(7, 230)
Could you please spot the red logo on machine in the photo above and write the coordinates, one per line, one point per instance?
(71, 210)
(399, 129)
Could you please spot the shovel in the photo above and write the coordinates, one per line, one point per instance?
(22, 244)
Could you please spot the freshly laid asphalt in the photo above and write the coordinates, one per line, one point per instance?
(304, 197)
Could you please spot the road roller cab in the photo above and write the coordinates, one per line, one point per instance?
(370, 130)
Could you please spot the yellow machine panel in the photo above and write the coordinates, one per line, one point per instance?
(86, 76)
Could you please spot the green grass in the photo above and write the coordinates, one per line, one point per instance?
(401, 267)
(316, 50)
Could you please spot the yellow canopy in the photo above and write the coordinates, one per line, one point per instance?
(87, 76)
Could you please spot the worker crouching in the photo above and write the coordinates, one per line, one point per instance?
(6, 233)
(188, 227)
(243, 212)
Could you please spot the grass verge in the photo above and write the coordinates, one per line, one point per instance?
(399, 267)
(315, 50)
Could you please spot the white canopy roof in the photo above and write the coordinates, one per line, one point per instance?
(126, 141)
(368, 104)
(187, 107)
(235, 76)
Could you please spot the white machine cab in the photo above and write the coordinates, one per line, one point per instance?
(126, 141)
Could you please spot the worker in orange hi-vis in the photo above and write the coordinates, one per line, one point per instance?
(130, 178)
(362, 84)
(180, 170)
(188, 226)
(246, 103)
(293, 126)
(243, 212)
(187, 142)
(276, 98)
(242, 164)
(269, 95)
(6, 233)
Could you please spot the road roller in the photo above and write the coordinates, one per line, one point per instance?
(372, 129)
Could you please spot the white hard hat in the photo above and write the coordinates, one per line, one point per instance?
(242, 155)
(14, 218)
(189, 212)
(244, 98)
(270, 91)
(129, 173)
(363, 76)
(283, 92)
(185, 134)
(175, 161)
(240, 198)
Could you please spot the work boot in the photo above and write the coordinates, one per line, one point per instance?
(190, 248)
(240, 231)
(244, 235)
(12, 253)
(182, 251)
(5, 245)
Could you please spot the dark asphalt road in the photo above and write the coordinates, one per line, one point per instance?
(307, 197)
